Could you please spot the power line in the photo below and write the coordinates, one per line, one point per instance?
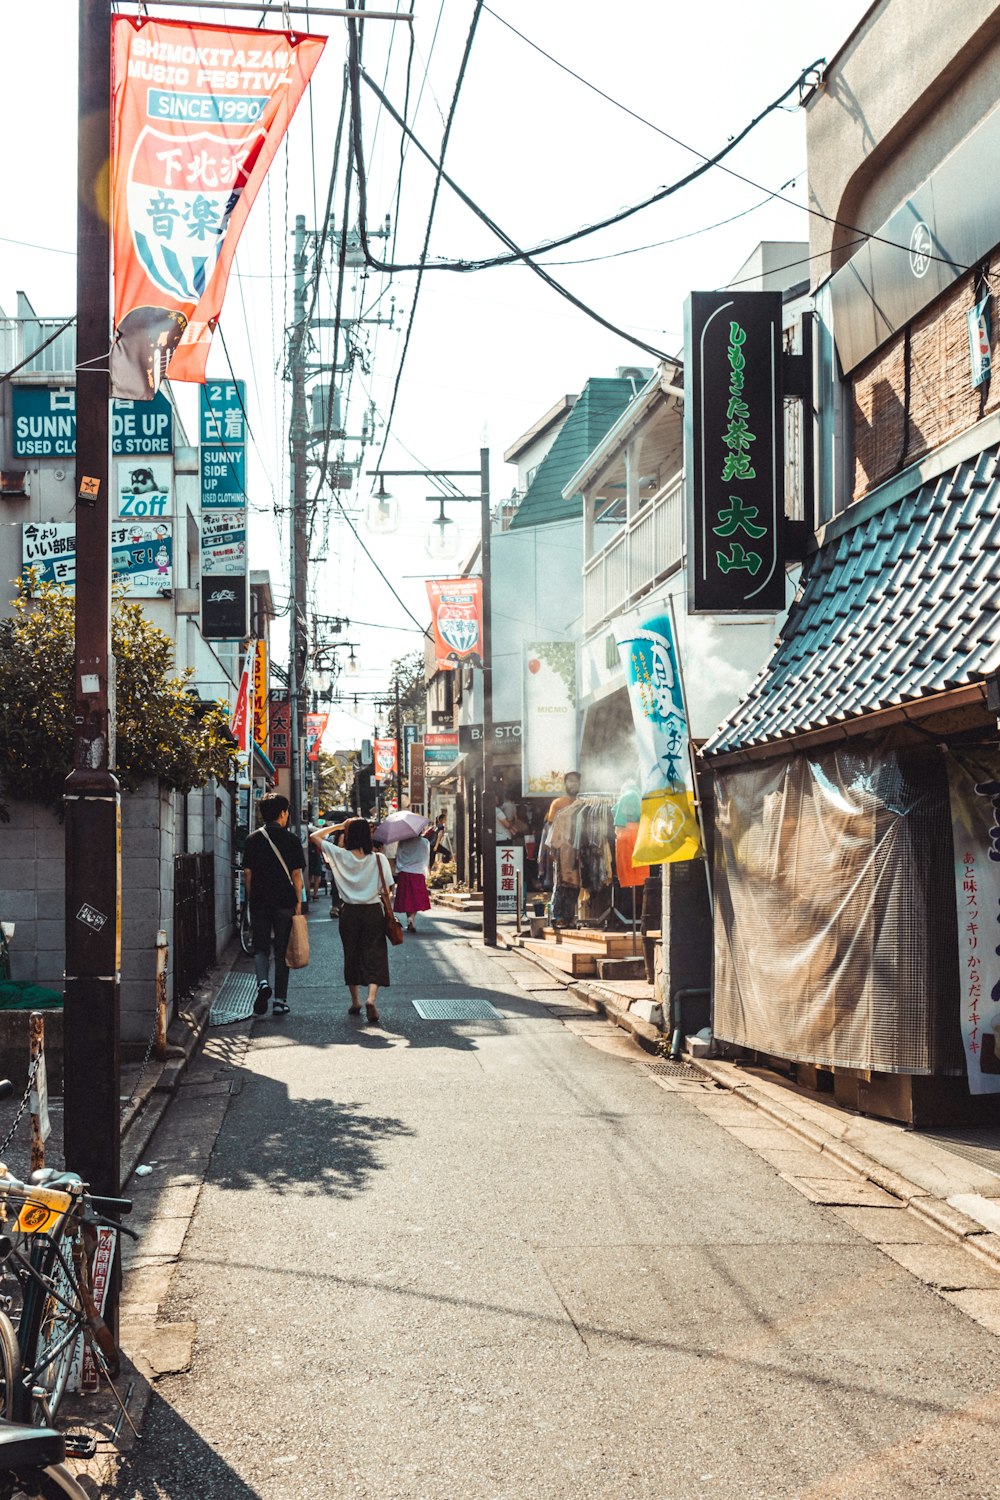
(353, 66)
(519, 254)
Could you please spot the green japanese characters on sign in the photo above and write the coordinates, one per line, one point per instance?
(734, 459)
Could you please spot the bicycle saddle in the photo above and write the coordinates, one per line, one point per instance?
(49, 1177)
(22, 1446)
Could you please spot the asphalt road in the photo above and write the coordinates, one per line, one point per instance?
(495, 1260)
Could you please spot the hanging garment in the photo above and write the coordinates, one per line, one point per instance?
(628, 874)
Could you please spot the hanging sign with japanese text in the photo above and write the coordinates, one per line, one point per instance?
(668, 828)
(456, 621)
(198, 114)
(260, 694)
(734, 452)
(44, 422)
(279, 735)
(974, 792)
(142, 555)
(223, 543)
(223, 445)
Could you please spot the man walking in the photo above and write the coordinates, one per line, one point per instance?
(273, 862)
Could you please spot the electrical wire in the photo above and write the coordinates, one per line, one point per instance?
(359, 167)
(521, 255)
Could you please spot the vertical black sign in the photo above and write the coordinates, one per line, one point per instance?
(225, 607)
(734, 452)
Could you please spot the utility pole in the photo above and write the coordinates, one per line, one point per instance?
(399, 751)
(489, 832)
(298, 638)
(92, 798)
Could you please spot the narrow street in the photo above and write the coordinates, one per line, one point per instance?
(501, 1259)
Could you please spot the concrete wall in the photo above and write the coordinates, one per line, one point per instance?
(537, 595)
(32, 888)
(907, 87)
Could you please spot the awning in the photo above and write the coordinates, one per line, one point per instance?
(262, 764)
(898, 611)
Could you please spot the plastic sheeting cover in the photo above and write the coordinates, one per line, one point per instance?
(835, 930)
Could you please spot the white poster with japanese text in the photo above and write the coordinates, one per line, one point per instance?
(974, 789)
(510, 876)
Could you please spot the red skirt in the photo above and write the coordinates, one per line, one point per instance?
(411, 893)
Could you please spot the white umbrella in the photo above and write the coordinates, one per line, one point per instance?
(399, 826)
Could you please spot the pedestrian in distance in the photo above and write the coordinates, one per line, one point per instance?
(360, 874)
(273, 861)
(413, 860)
(440, 840)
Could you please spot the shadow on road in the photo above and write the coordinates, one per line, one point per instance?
(172, 1462)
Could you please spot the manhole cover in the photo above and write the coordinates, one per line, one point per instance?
(456, 1010)
(234, 1002)
(668, 1069)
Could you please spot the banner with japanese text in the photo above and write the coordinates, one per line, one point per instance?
(385, 759)
(315, 730)
(668, 828)
(974, 792)
(198, 113)
(457, 621)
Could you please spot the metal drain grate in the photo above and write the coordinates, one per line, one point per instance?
(668, 1069)
(456, 1010)
(234, 1002)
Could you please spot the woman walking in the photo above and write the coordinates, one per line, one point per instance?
(413, 860)
(360, 875)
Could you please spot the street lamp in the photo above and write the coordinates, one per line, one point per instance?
(382, 511)
(487, 821)
(441, 542)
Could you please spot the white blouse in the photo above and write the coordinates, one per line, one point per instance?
(357, 879)
(413, 857)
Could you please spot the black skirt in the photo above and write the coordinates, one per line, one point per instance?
(366, 956)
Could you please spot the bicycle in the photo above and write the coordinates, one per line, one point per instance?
(31, 1461)
(244, 926)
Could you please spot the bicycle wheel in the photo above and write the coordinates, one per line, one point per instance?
(10, 1366)
(55, 1346)
(246, 930)
(55, 1483)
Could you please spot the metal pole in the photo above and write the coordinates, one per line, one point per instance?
(297, 630)
(399, 752)
(39, 1089)
(92, 799)
(488, 835)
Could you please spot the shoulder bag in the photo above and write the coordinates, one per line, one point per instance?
(297, 952)
(393, 927)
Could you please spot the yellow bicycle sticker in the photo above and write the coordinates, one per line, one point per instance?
(42, 1211)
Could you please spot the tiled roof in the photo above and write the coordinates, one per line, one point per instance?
(904, 605)
(601, 403)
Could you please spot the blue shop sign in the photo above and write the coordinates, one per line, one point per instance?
(45, 424)
(223, 444)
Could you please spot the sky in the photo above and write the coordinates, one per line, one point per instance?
(489, 351)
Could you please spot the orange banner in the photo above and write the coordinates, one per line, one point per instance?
(315, 730)
(260, 694)
(243, 712)
(385, 759)
(457, 621)
(198, 114)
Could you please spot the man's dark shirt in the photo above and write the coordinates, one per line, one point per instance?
(269, 885)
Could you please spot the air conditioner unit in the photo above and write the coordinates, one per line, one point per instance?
(634, 372)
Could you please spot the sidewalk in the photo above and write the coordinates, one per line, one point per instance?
(956, 1191)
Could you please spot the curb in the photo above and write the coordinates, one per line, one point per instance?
(940, 1214)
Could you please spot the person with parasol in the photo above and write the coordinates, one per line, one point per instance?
(362, 877)
(413, 858)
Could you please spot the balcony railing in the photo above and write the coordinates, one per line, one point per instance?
(21, 337)
(645, 550)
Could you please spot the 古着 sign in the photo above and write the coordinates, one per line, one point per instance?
(223, 445)
(734, 451)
